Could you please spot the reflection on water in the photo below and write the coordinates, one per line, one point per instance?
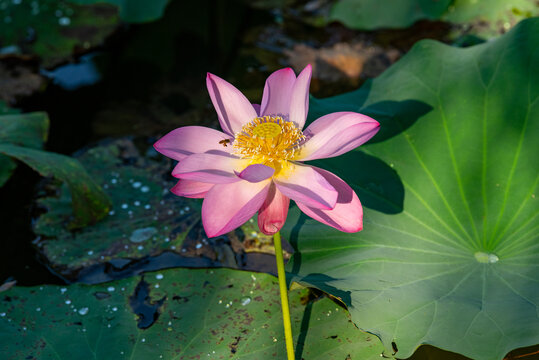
(76, 75)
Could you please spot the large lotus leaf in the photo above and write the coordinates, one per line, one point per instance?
(26, 129)
(134, 11)
(490, 10)
(180, 314)
(89, 201)
(375, 14)
(53, 29)
(29, 130)
(453, 259)
(7, 166)
(488, 14)
(146, 219)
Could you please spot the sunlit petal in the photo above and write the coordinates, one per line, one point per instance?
(188, 140)
(227, 206)
(337, 133)
(347, 215)
(303, 184)
(232, 107)
(277, 90)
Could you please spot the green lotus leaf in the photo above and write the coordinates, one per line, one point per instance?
(89, 201)
(452, 258)
(374, 14)
(25, 129)
(53, 29)
(29, 130)
(487, 17)
(7, 166)
(145, 220)
(176, 314)
(134, 11)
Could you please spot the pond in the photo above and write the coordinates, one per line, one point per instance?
(424, 234)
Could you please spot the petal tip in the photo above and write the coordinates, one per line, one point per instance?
(269, 230)
(211, 235)
(161, 148)
(156, 145)
(211, 77)
(358, 229)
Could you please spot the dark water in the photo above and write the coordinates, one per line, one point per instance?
(148, 79)
(138, 83)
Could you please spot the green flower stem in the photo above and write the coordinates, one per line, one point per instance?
(284, 296)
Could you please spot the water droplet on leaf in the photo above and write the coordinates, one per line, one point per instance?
(245, 301)
(143, 234)
(83, 311)
(486, 258)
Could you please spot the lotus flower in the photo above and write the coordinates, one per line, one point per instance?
(256, 163)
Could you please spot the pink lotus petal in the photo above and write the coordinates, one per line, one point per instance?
(276, 96)
(185, 141)
(234, 189)
(337, 133)
(299, 98)
(272, 214)
(257, 108)
(227, 206)
(303, 184)
(256, 173)
(233, 108)
(347, 215)
(210, 168)
(191, 189)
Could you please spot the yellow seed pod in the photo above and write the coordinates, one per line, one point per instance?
(267, 130)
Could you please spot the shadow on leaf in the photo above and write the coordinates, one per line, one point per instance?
(377, 185)
(395, 116)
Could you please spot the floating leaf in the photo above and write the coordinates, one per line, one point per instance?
(375, 14)
(7, 166)
(134, 11)
(146, 222)
(492, 10)
(487, 18)
(53, 29)
(89, 201)
(25, 129)
(452, 258)
(180, 314)
(29, 130)
(144, 219)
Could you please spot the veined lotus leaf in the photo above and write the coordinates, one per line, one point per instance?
(176, 314)
(453, 259)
